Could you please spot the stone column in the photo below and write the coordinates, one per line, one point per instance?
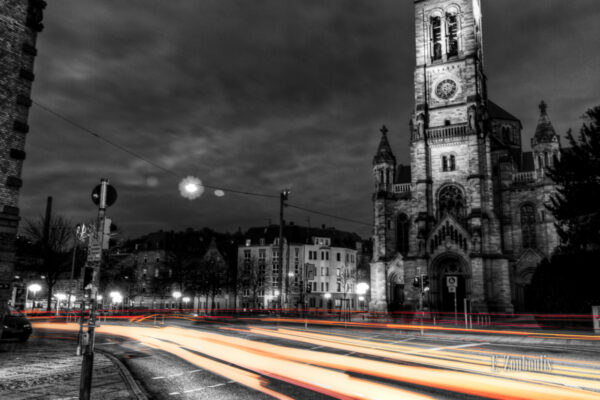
(378, 287)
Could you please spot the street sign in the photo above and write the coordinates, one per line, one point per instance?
(94, 249)
(111, 195)
(451, 289)
(451, 281)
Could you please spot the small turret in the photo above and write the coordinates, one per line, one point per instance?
(384, 163)
(545, 142)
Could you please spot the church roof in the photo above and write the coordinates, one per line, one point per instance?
(497, 112)
(384, 151)
(544, 132)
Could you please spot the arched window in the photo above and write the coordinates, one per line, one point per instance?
(402, 234)
(452, 201)
(452, 163)
(436, 38)
(528, 226)
(444, 163)
(452, 34)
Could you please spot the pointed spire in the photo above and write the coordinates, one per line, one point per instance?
(544, 131)
(384, 153)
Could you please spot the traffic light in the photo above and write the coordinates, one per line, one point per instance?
(417, 281)
(425, 281)
(308, 287)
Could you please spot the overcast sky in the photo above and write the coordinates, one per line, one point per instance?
(260, 95)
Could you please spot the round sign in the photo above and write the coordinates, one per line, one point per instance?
(111, 195)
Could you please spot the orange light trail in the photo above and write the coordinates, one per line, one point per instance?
(326, 373)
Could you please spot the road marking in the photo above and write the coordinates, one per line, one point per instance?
(458, 346)
(200, 388)
(176, 375)
(404, 340)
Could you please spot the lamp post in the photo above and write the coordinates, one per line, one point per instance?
(361, 290)
(115, 298)
(282, 199)
(328, 298)
(34, 287)
(177, 296)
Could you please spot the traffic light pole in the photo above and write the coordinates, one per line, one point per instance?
(87, 364)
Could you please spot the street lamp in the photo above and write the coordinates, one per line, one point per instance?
(177, 296)
(361, 290)
(186, 300)
(115, 298)
(34, 287)
(328, 298)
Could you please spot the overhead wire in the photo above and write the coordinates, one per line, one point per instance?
(134, 154)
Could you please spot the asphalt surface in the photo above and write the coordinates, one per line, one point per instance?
(185, 360)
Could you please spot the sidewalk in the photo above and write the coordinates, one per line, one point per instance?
(49, 369)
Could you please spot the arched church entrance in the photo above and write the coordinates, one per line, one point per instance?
(396, 292)
(453, 283)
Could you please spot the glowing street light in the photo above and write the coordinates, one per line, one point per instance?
(186, 300)
(327, 295)
(115, 297)
(362, 288)
(191, 188)
(177, 294)
(34, 287)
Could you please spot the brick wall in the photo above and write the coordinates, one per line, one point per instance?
(20, 21)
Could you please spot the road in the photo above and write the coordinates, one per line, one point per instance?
(272, 359)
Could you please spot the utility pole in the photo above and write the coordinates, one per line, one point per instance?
(282, 199)
(103, 195)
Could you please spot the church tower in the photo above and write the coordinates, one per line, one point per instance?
(441, 221)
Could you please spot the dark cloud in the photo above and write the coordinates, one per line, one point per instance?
(265, 94)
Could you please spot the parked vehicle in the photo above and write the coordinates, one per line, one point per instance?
(16, 326)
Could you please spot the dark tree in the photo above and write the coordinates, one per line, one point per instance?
(576, 206)
(567, 282)
(52, 251)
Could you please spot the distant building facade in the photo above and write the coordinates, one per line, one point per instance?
(165, 262)
(471, 205)
(319, 268)
(20, 23)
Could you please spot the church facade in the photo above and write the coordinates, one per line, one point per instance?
(469, 212)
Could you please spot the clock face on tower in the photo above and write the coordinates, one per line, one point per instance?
(446, 89)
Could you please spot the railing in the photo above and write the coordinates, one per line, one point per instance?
(447, 131)
(525, 177)
(401, 188)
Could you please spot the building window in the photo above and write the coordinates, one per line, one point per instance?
(338, 256)
(445, 163)
(452, 34)
(322, 271)
(436, 38)
(339, 287)
(262, 241)
(452, 163)
(156, 272)
(402, 234)
(528, 226)
(314, 286)
(452, 201)
(327, 286)
(248, 242)
(322, 286)
(337, 273)
(262, 255)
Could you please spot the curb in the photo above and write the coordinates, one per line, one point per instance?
(134, 389)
